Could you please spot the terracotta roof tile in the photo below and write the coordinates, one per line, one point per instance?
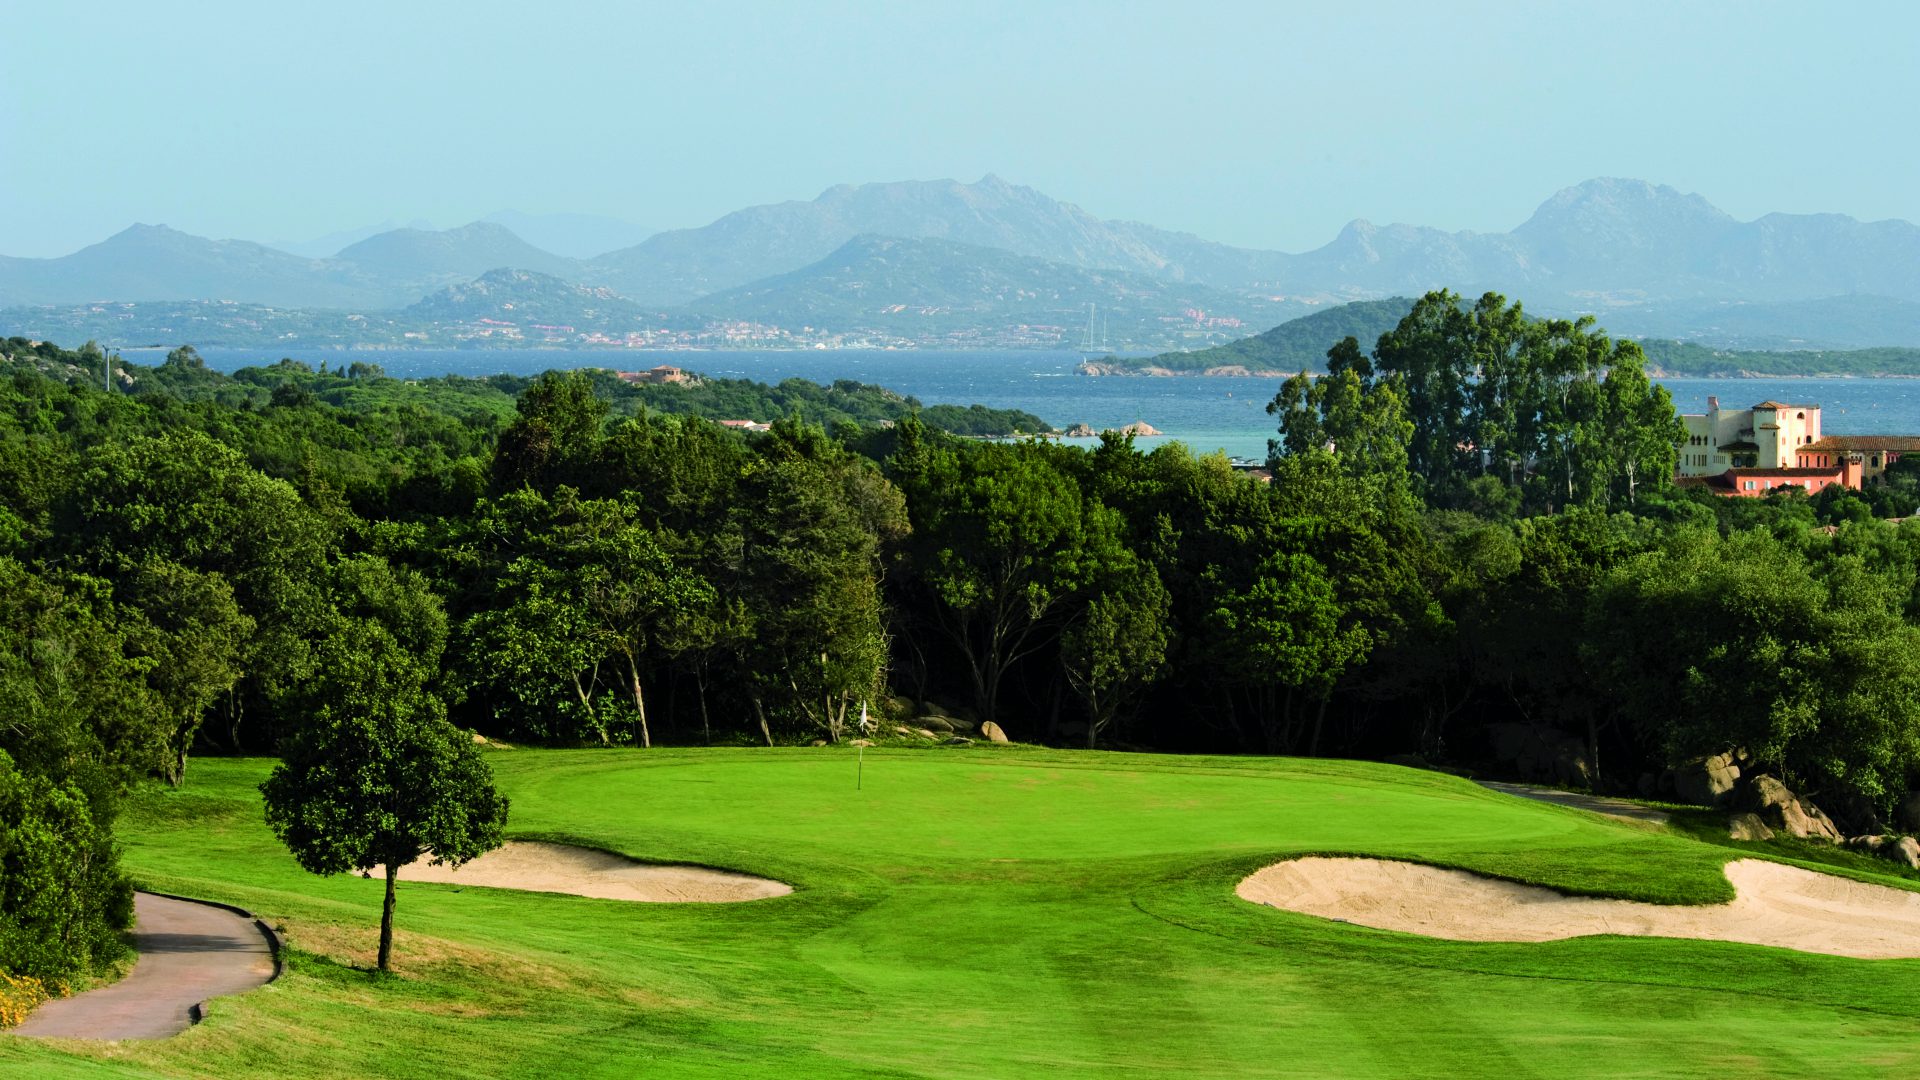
(1883, 443)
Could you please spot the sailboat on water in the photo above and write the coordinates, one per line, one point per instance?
(1091, 345)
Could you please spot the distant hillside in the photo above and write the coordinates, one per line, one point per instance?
(1297, 345)
(212, 323)
(1302, 344)
(1830, 323)
(525, 298)
(1616, 243)
(1653, 261)
(765, 241)
(501, 308)
(424, 258)
(324, 246)
(577, 236)
(939, 292)
(149, 263)
(1684, 359)
(153, 262)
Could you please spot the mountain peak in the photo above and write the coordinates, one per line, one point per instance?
(459, 253)
(1611, 203)
(141, 232)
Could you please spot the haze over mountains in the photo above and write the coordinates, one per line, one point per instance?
(936, 289)
(1648, 258)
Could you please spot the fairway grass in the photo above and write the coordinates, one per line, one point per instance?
(993, 914)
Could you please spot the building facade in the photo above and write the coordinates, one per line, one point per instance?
(1767, 436)
(1777, 444)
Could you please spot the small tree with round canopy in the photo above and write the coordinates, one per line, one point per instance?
(378, 777)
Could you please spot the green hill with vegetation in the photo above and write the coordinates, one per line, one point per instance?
(1297, 345)
(1301, 345)
(1688, 359)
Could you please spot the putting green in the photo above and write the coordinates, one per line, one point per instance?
(990, 913)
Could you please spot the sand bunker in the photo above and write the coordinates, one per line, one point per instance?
(1774, 905)
(562, 868)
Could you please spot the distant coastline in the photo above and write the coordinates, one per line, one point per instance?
(1222, 371)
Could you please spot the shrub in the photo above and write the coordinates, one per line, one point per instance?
(19, 995)
(63, 899)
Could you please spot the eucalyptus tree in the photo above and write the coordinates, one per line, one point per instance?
(186, 500)
(1430, 350)
(1352, 413)
(190, 636)
(574, 599)
(633, 593)
(1006, 543)
(1115, 646)
(1641, 425)
(556, 436)
(816, 527)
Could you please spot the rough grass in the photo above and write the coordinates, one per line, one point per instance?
(990, 913)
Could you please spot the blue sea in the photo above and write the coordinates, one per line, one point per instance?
(1224, 414)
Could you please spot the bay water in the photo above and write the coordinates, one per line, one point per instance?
(1208, 414)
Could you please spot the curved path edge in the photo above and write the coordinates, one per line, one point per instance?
(1580, 800)
(190, 952)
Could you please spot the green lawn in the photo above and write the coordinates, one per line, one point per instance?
(994, 914)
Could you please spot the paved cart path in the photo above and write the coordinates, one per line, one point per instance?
(188, 953)
(1599, 804)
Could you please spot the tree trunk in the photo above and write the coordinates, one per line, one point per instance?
(639, 703)
(586, 702)
(1593, 751)
(386, 919)
(236, 714)
(177, 772)
(1319, 718)
(700, 683)
(759, 710)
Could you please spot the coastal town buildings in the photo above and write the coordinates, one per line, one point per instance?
(662, 375)
(1777, 444)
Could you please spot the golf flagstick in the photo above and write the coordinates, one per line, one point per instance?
(860, 766)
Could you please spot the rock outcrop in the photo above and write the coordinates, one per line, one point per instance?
(1709, 781)
(1783, 811)
(991, 732)
(1904, 850)
(1748, 826)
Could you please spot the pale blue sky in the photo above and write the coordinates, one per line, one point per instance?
(1261, 124)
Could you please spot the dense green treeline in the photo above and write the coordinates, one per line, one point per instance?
(1468, 531)
(1691, 359)
(196, 561)
(363, 390)
(1301, 344)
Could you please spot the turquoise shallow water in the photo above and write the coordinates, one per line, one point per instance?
(1207, 414)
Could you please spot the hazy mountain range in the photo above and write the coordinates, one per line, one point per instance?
(922, 287)
(1648, 258)
(577, 236)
